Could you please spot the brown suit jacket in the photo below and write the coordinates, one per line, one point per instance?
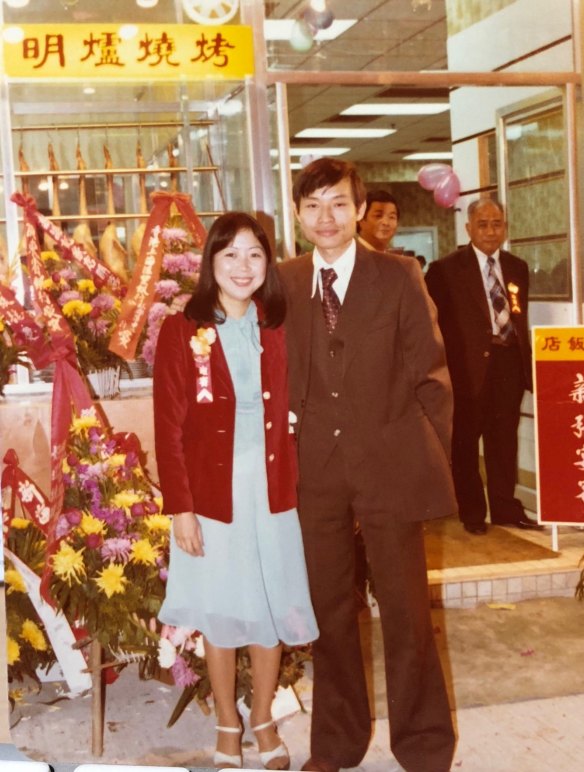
(456, 286)
(395, 376)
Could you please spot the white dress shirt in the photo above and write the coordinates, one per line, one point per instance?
(343, 266)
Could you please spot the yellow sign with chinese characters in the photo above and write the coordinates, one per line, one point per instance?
(559, 344)
(131, 52)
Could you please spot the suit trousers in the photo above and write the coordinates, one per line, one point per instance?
(493, 415)
(421, 734)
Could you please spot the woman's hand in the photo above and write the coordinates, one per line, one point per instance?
(188, 533)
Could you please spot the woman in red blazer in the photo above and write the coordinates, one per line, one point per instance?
(227, 465)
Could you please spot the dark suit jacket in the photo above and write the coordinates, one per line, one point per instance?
(456, 286)
(194, 441)
(395, 376)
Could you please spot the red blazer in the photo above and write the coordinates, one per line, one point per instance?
(194, 441)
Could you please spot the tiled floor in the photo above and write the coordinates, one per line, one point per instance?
(509, 581)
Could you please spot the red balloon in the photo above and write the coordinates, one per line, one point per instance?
(447, 191)
(431, 174)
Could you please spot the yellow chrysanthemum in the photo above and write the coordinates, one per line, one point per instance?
(12, 651)
(157, 523)
(112, 580)
(65, 468)
(20, 523)
(87, 420)
(90, 524)
(86, 285)
(68, 564)
(76, 308)
(144, 552)
(1, 326)
(32, 633)
(158, 501)
(126, 499)
(14, 581)
(117, 304)
(117, 459)
(49, 284)
(49, 254)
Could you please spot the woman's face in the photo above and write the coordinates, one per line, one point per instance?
(239, 270)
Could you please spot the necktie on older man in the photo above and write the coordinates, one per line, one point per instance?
(498, 300)
(331, 305)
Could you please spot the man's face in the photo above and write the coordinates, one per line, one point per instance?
(379, 225)
(486, 228)
(328, 218)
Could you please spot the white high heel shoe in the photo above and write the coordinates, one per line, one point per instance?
(279, 753)
(226, 760)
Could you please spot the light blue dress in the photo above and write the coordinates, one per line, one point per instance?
(251, 585)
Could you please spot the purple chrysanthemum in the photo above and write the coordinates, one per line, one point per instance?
(183, 675)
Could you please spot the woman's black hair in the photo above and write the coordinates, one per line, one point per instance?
(204, 304)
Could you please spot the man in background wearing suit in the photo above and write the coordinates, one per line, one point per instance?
(380, 220)
(481, 292)
(370, 388)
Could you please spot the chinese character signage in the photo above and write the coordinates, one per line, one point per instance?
(153, 51)
(559, 423)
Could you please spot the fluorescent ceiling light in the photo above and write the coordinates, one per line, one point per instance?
(344, 133)
(300, 151)
(403, 108)
(429, 156)
(293, 166)
(281, 29)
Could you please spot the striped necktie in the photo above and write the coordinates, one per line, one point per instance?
(499, 301)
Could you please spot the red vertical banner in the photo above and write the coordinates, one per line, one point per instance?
(559, 423)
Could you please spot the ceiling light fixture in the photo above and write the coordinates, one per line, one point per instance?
(300, 151)
(16, 3)
(281, 29)
(401, 108)
(430, 156)
(146, 3)
(317, 133)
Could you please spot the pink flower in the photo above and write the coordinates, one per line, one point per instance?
(158, 312)
(183, 675)
(93, 540)
(116, 549)
(73, 516)
(167, 288)
(68, 295)
(103, 302)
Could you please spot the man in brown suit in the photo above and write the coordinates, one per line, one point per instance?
(489, 358)
(371, 391)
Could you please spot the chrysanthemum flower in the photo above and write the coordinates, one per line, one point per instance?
(125, 499)
(68, 563)
(76, 308)
(12, 651)
(87, 420)
(32, 633)
(14, 581)
(20, 523)
(144, 552)
(118, 459)
(111, 579)
(183, 675)
(116, 549)
(90, 524)
(157, 522)
(86, 285)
